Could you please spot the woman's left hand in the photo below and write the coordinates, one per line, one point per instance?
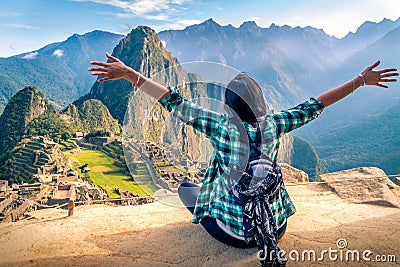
(377, 77)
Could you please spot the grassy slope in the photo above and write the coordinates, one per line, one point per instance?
(99, 162)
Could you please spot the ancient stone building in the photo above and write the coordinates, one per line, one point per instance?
(3, 185)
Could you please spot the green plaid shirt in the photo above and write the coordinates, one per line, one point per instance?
(216, 198)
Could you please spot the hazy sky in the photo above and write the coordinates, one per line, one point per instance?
(27, 25)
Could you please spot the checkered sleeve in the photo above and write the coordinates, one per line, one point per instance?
(203, 120)
(293, 118)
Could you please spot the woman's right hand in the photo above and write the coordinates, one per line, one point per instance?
(114, 70)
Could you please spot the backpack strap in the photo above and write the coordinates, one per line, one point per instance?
(259, 163)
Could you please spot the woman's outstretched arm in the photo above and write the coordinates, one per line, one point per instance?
(116, 69)
(203, 120)
(369, 76)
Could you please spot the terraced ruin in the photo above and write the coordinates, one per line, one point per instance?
(109, 171)
(29, 155)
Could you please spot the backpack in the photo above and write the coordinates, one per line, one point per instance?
(261, 179)
(259, 164)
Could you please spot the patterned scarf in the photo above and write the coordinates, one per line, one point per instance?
(258, 219)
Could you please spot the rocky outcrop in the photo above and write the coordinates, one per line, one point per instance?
(367, 185)
(293, 175)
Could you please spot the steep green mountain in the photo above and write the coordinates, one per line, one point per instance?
(28, 104)
(305, 158)
(29, 114)
(142, 50)
(58, 69)
(91, 116)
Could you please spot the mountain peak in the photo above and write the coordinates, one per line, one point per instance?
(207, 24)
(143, 29)
(248, 25)
(30, 93)
(30, 89)
(23, 107)
(378, 26)
(387, 20)
(210, 21)
(142, 35)
(137, 47)
(75, 36)
(142, 50)
(99, 34)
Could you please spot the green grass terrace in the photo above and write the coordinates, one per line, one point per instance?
(106, 174)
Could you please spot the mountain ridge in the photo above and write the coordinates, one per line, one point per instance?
(283, 74)
(59, 69)
(282, 62)
(285, 77)
(366, 34)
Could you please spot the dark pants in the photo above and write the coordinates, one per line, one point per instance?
(188, 194)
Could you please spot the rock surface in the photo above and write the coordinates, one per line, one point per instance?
(160, 234)
(293, 175)
(364, 185)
